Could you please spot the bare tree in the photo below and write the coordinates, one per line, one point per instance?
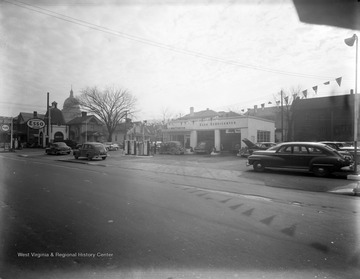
(111, 105)
(288, 98)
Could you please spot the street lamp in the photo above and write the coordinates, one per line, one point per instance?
(350, 42)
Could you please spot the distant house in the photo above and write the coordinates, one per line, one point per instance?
(86, 128)
(22, 132)
(139, 132)
(121, 132)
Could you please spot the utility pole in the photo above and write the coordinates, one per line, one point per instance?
(49, 118)
(282, 117)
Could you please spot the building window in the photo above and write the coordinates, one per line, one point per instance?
(263, 136)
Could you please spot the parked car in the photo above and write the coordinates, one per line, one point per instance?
(57, 148)
(251, 147)
(172, 147)
(343, 148)
(111, 146)
(204, 147)
(72, 144)
(91, 150)
(317, 158)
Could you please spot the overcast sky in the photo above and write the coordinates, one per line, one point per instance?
(222, 55)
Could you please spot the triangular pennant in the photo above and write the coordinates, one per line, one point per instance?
(269, 103)
(305, 93)
(263, 106)
(327, 83)
(338, 80)
(315, 89)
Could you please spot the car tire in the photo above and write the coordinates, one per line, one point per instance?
(88, 157)
(104, 158)
(258, 166)
(321, 171)
(76, 157)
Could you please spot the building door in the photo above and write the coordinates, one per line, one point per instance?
(58, 136)
(230, 140)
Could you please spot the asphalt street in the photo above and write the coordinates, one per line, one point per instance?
(166, 217)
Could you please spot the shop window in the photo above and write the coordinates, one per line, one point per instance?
(263, 136)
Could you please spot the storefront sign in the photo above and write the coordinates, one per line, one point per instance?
(36, 123)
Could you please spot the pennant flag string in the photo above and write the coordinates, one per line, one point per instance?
(304, 92)
(315, 89)
(338, 80)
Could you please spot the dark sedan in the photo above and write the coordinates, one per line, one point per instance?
(58, 148)
(317, 158)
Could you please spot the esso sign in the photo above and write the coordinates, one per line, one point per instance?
(36, 123)
(5, 128)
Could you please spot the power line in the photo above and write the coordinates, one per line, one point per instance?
(157, 44)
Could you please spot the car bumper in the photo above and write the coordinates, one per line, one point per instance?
(63, 152)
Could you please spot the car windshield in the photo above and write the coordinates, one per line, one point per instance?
(99, 146)
(275, 147)
(61, 144)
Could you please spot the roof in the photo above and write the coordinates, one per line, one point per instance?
(56, 116)
(23, 117)
(83, 119)
(340, 101)
(208, 113)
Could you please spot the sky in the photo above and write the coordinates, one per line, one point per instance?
(223, 55)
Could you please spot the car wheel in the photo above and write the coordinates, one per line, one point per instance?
(321, 171)
(88, 157)
(104, 158)
(76, 157)
(258, 166)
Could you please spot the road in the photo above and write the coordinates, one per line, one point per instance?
(137, 219)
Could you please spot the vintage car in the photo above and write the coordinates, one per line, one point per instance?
(204, 147)
(251, 147)
(111, 146)
(171, 147)
(72, 144)
(317, 158)
(91, 150)
(57, 148)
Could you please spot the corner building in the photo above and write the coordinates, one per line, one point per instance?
(225, 130)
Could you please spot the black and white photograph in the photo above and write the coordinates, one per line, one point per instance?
(179, 139)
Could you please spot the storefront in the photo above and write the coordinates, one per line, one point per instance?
(225, 134)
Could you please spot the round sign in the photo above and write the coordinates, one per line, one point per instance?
(36, 123)
(5, 128)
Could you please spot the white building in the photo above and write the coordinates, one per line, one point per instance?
(225, 130)
(57, 130)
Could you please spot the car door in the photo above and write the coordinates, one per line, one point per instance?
(300, 157)
(83, 149)
(282, 157)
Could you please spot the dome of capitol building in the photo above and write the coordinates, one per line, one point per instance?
(71, 107)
